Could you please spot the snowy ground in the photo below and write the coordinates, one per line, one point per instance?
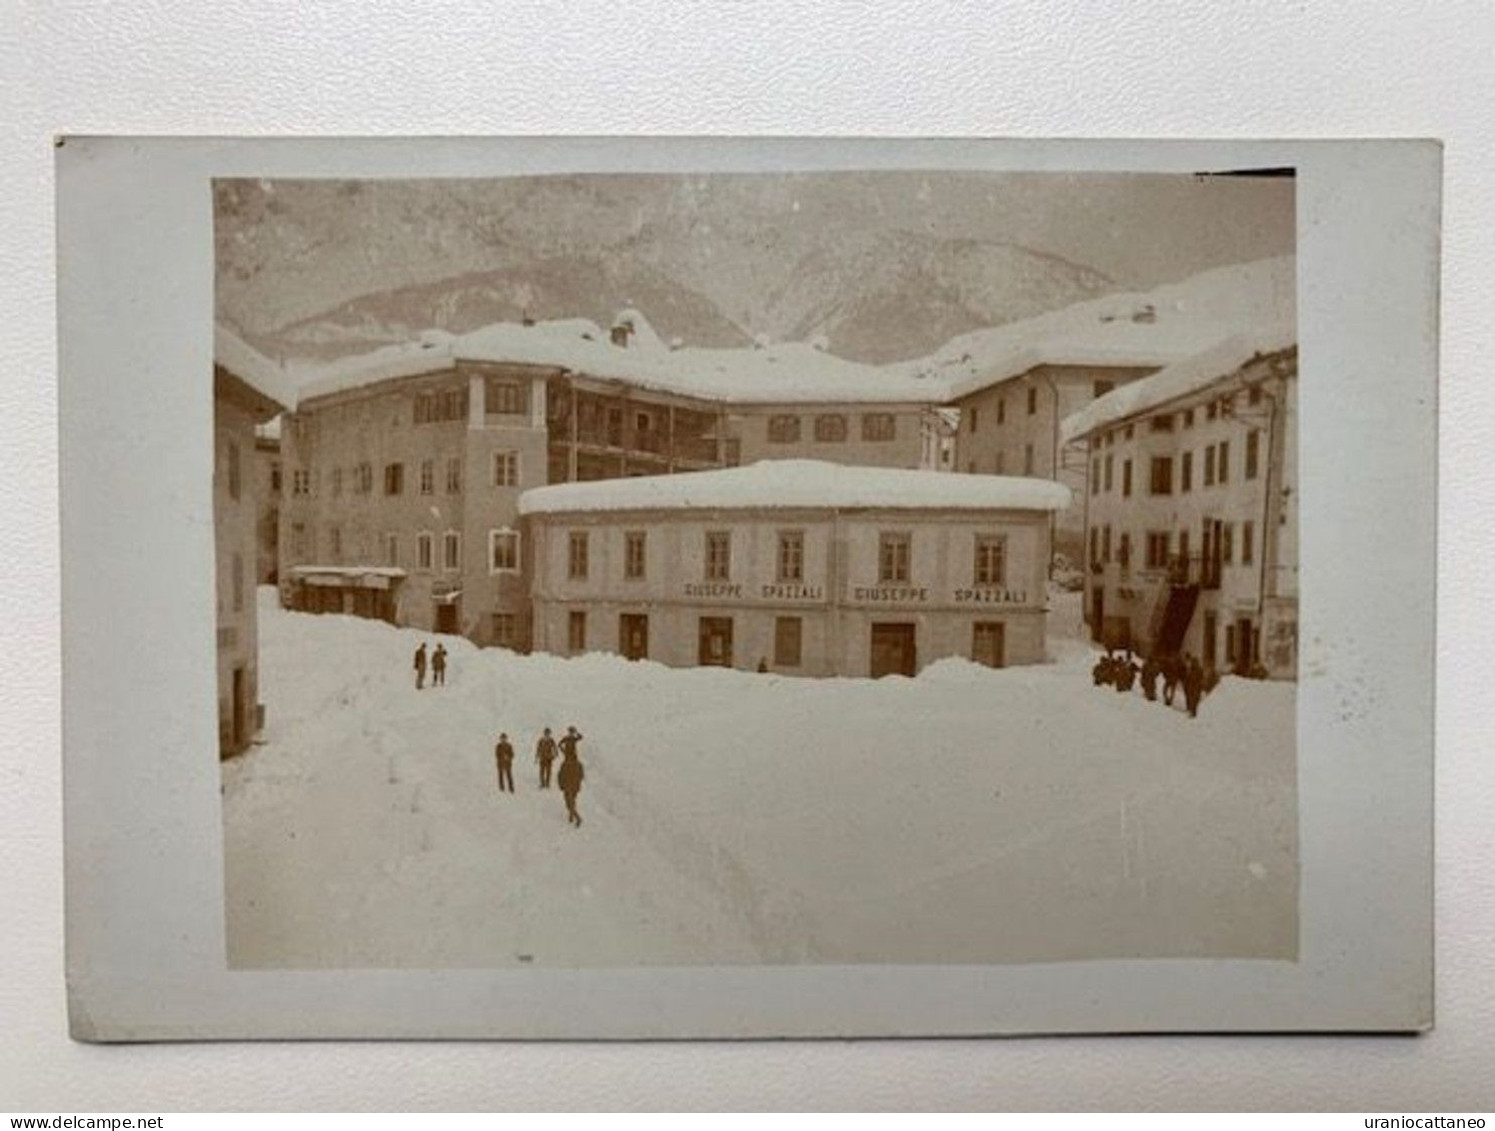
(964, 816)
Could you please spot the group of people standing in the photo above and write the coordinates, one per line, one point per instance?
(1122, 671)
(569, 777)
(437, 664)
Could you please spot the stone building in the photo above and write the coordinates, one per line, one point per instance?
(798, 567)
(1191, 508)
(248, 390)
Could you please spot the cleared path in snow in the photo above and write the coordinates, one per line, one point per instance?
(964, 816)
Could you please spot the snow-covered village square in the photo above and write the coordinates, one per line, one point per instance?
(827, 568)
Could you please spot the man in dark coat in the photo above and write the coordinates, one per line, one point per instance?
(420, 667)
(1193, 685)
(438, 666)
(571, 774)
(503, 753)
(1171, 675)
(1150, 675)
(545, 755)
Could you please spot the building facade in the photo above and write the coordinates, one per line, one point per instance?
(1191, 510)
(795, 568)
(247, 391)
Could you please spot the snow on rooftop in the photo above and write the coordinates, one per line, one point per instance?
(269, 430)
(349, 571)
(791, 372)
(1152, 329)
(800, 483)
(1177, 380)
(252, 367)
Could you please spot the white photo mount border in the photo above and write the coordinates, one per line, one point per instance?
(144, 850)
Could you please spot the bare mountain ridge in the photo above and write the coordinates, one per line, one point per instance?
(879, 297)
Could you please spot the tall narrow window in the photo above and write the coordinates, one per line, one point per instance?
(451, 551)
(427, 476)
(392, 549)
(893, 551)
(1222, 462)
(503, 551)
(576, 565)
(1126, 479)
(238, 583)
(1032, 400)
(975, 418)
(1027, 459)
(1001, 411)
(335, 542)
(1161, 477)
(1253, 449)
(791, 555)
(394, 478)
(1209, 466)
(1227, 543)
(634, 556)
(505, 397)
(1095, 476)
(576, 631)
(991, 559)
(718, 555)
(453, 475)
(423, 550)
(1110, 467)
(233, 470)
(1186, 472)
(1248, 543)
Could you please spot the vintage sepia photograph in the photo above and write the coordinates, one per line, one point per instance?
(893, 567)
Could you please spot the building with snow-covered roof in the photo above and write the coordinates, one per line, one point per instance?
(798, 567)
(1015, 384)
(1191, 507)
(248, 391)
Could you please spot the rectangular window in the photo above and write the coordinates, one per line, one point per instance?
(1211, 410)
(233, 470)
(394, 478)
(634, 547)
(1157, 549)
(1248, 543)
(1163, 423)
(791, 555)
(451, 551)
(275, 478)
(991, 559)
(505, 397)
(1110, 467)
(1186, 472)
(427, 476)
(1027, 459)
(298, 541)
(1032, 401)
(1094, 545)
(503, 551)
(238, 583)
(576, 563)
(1130, 431)
(1001, 411)
(787, 640)
(424, 549)
(453, 475)
(975, 417)
(1095, 476)
(1106, 543)
(1188, 415)
(576, 631)
(783, 429)
(1124, 549)
(1209, 466)
(504, 629)
(879, 426)
(391, 549)
(893, 557)
(830, 428)
(1253, 451)
(365, 479)
(1222, 462)
(1183, 545)
(718, 555)
(1227, 543)
(301, 481)
(1253, 395)
(1160, 479)
(506, 469)
(1126, 479)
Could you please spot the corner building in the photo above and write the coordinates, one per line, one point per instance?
(796, 566)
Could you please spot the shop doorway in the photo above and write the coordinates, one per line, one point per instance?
(893, 650)
(446, 617)
(716, 642)
(633, 636)
(989, 644)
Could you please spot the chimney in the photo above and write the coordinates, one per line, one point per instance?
(622, 331)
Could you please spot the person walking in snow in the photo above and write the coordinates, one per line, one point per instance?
(545, 755)
(438, 666)
(420, 667)
(1193, 685)
(571, 774)
(1171, 675)
(1150, 675)
(503, 754)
